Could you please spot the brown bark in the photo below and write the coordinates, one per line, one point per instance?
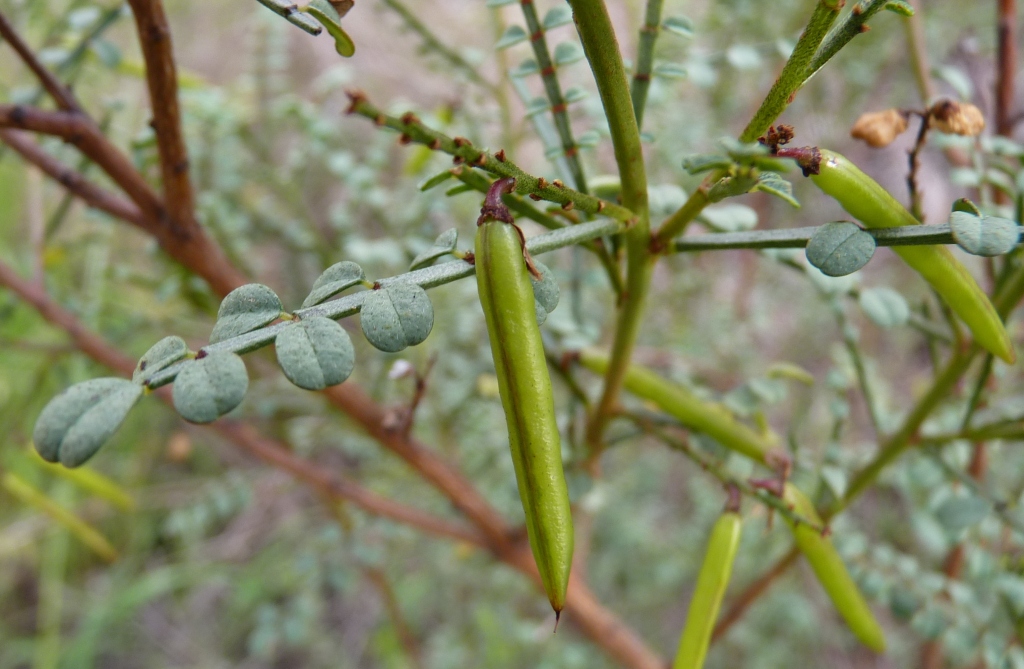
(191, 247)
(58, 91)
(746, 598)
(1006, 65)
(162, 79)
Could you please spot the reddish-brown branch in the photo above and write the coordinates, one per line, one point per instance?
(162, 78)
(746, 598)
(94, 196)
(1006, 66)
(191, 247)
(58, 91)
(602, 626)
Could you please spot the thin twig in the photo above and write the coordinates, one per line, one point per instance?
(645, 58)
(553, 89)
(718, 469)
(93, 195)
(742, 603)
(798, 238)
(913, 158)
(918, 50)
(1006, 66)
(854, 24)
(465, 153)
(58, 91)
(162, 79)
(796, 70)
(192, 248)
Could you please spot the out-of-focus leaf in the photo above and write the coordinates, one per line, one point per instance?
(442, 246)
(76, 423)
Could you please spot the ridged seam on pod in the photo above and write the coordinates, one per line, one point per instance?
(872, 205)
(506, 296)
(710, 418)
(831, 572)
(710, 590)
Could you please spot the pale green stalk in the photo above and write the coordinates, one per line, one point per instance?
(602, 49)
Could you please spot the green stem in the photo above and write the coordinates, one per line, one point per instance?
(795, 72)
(559, 108)
(843, 33)
(429, 277)
(676, 224)
(602, 49)
(645, 59)
(853, 348)
(719, 470)
(413, 131)
(797, 238)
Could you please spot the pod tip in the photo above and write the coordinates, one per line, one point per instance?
(558, 616)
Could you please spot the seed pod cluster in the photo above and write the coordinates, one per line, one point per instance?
(507, 298)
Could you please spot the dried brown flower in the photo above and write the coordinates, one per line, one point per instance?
(879, 129)
(957, 118)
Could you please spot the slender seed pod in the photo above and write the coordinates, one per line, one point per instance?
(710, 418)
(506, 295)
(711, 584)
(873, 206)
(832, 573)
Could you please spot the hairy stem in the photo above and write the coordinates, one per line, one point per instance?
(795, 72)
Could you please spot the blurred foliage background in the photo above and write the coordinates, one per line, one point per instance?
(226, 562)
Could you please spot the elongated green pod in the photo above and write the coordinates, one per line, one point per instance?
(707, 597)
(710, 418)
(832, 573)
(873, 206)
(525, 388)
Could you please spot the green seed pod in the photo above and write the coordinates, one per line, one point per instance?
(525, 388)
(832, 573)
(873, 206)
(707, 596)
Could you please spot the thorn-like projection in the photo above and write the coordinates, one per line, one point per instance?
(558, 616)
